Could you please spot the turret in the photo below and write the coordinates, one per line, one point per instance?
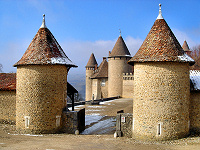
(161, 86)
(117, 65)
(186, 48)
(90, 68)
(42, 85)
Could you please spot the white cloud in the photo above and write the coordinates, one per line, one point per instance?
(181, 36)
(80, 51)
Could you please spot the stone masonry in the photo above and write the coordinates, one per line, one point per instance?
(161, 100)
(41, 97)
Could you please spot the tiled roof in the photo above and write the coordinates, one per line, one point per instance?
(7, 81)
(120, 48)
(102, 71)
(161, 45)
(92, 61)
(44, 49)
(185, 46)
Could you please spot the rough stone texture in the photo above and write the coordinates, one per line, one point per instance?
(96, 89)
(88, 84)
(128, 85)
(161, 95)
(116, 67)
(8, 107)
(73, 120)
(124, 127)
(41, 95)
(195, 111)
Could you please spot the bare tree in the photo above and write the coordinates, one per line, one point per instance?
(195, 54)
(1, 67)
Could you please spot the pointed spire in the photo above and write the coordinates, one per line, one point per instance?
(185, 46)
(43, 22)
(160, 13)
(120, 33)
(161, 45)
(92, 61)
(120, 49)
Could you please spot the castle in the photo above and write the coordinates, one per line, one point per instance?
(165, 92)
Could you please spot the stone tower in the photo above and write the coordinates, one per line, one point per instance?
(161, 86)
(117, 65)
(41, 85)
(90, 67)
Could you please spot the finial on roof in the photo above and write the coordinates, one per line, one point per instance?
(120, 33)
(160, 13)
(43, 22)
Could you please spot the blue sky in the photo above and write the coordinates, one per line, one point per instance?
(85, 26)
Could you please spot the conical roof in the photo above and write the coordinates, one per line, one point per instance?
(120, 48)
(185, 46)
(44, 49)
(160, 45)
(92, 61)
(102, 71)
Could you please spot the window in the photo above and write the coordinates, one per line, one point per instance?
(159, 129)
(27, 121)
(58, 121)
(103, 82)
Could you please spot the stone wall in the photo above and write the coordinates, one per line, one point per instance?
(73, 121)
(104, 88)
(128, 85)
(8, 107)
(116, 67)
(124, 124)
(88, 84)
(41, 97)
(96, 89)
(195, 111)
(161, 100)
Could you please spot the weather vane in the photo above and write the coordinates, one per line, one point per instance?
(120, 32)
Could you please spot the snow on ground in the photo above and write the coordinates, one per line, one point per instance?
(70, 108)
(94, 110)
(101, 127)
(96, 106)
(92, 118)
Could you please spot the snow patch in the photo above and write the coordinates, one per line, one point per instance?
(100, 127)
(195, 78)
(61, 60)
(91, 118)
(25, 134)
(186, 58)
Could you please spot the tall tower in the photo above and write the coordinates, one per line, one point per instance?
(41, 85)
(161, 86)
(117, 65)
(90, 67)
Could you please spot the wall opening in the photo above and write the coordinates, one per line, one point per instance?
(103, 82)
(27, 121)
(58, 121)
(159, 129)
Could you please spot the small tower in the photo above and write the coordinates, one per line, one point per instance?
(41, 85)
(90, 67)
(117, 65)
(161, 86)
(186, 48)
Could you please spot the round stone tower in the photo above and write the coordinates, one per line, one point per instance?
(117, 65)
(90, 67)
(161, 86)
(41, 85)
